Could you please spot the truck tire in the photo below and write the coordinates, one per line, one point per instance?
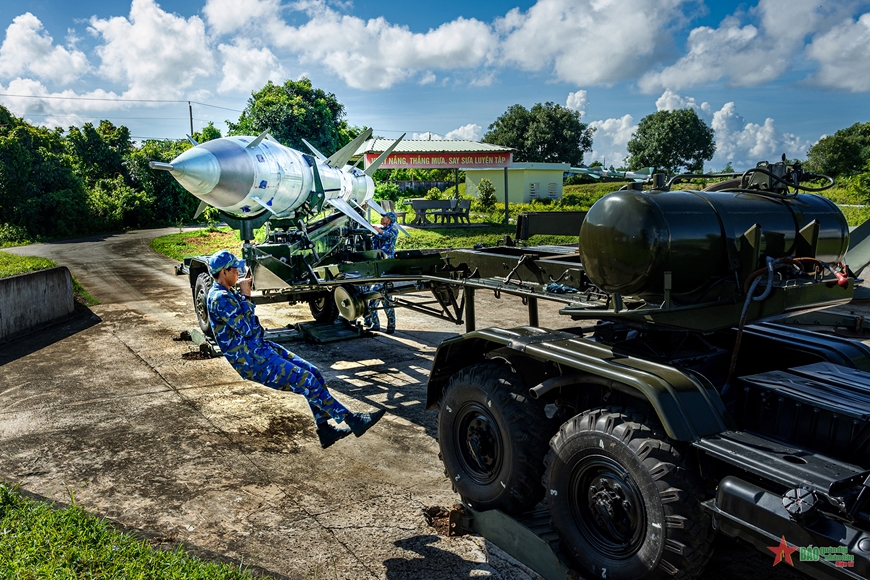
(200, 297)
(323, 308)
(622, 500)
(493, 438)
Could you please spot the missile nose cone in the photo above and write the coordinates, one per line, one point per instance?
(197, 170)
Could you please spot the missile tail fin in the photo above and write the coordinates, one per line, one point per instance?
(382, 157)
(341, 157)
(381, 211)
(265, 206)
(258, 140)
(347, 210)
(192, 140)
(319, 155)
(376, 206)
(202, 207)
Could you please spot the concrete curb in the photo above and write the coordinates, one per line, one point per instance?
(28, 301)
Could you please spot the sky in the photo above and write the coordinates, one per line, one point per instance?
(770, 77)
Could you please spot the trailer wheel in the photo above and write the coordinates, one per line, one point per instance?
(323, 308)
(200, 302)
(493, 438)
(622, 501)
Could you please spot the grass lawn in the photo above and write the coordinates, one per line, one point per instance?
(12, 265)
(39, 541)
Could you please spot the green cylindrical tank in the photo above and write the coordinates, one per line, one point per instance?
(629, 239)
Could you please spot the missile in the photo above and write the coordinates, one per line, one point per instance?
(247, 177)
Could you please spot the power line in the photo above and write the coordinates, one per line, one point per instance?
(116, 100)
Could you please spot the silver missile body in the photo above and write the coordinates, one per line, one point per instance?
(249, 176)
(231, 175)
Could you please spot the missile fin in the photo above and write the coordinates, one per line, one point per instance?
(192, 140)
(341, 157)
(347, 210)
(370, 170)
(376, 206)
(258, 140)
(263, 203)
(319, 155)
(381, 211)
(202, 206)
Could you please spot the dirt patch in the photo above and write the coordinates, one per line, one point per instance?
(438, 517)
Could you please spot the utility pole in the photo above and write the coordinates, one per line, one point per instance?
(190, 109)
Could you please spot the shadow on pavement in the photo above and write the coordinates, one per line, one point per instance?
(81, 319)
(449, 565)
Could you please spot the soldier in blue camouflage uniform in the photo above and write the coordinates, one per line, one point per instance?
(385, 241)
(238, 332)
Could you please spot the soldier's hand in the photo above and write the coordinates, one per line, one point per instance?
(245, 284)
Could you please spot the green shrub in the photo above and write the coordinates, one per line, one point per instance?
(434, 193)
(486, 195)
(387, 190)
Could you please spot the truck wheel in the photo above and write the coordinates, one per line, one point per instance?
(323, 308)
(622, 501)
(200, 297)
(493, 438)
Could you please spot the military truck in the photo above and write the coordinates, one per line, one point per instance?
(685, 397)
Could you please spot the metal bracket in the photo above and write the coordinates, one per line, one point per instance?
(460, 522)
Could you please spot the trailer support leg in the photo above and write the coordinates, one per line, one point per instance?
(533, 311)
(469, 309)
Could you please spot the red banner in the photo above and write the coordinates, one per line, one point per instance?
(442, 160)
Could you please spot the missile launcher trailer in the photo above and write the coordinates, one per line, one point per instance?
(685, 399)
(681, 403)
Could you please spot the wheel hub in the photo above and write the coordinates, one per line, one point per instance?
(607, 506)
(479, 443)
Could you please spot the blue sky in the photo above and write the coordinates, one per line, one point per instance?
(770, 76)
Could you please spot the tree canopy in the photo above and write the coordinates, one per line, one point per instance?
(547, 133)
(295, 111)
(671, 141)
(846, 152)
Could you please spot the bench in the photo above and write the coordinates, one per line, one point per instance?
(426, 208)
(457, 212)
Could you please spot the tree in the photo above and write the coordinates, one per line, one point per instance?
(295, 111)
(486, 194)
(671, 140)
(99, 152)
(841, 154)
(547, 133)
(208, 133)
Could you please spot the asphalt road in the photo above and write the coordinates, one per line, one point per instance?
(111, 408)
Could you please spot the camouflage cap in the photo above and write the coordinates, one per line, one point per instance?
(221, 260)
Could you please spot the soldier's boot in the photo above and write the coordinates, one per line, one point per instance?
(359, 423)
(329, 434)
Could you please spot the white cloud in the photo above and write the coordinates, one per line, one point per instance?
(229, 16)
(57, 109)
(610, 139)
(428, 78)
(749, 54)
(744, 144)
(427, 136)
(671, 101)
(843, 55)
(28, 49)
(577, 101)
(157, 54)
(374, 54)
(247, 68)
(470, 132)
(589, 42)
